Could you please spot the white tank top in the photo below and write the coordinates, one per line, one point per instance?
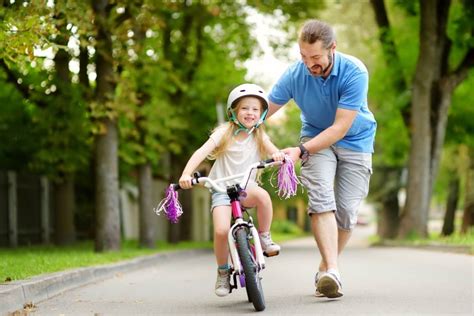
(237, 158)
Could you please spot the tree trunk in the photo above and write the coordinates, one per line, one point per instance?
(468, 215)
(64, 209)
(147, 217)
(439, 130)
(106, 151)
(64, 195)
(387, 226)
(415, 215)
(451, 206)
(107, 190)
(389, 216)
(384, 187)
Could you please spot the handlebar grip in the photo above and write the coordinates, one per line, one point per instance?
(269, 160)
(194, 181)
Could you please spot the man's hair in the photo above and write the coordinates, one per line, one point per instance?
(315, 30)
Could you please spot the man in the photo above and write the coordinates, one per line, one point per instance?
(336, 143)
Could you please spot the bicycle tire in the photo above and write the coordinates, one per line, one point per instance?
(252, 279)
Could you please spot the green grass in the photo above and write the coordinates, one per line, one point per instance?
(434, 239)
(286, 230)
(24, 262)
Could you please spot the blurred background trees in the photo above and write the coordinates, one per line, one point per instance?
(101, 93)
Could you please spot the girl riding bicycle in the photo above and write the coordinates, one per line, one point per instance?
(235, 145)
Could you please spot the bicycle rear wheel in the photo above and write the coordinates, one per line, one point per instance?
(252, 279)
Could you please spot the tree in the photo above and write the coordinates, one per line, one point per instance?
(58, 111)
(433, 87)
(439, 70)
(106, 140)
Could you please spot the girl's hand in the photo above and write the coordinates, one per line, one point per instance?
(185, 182)
(278, 156)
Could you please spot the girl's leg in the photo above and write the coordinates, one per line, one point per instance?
(259, 198)
(221, 217)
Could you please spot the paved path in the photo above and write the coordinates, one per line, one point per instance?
(377, 281)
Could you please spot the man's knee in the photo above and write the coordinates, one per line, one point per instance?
(346, 219)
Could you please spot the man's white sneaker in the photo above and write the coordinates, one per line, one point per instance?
(329, 285)
(268, 246)
(223, 282)
(316, 279)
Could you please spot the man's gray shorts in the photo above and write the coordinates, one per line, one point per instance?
(337, 179)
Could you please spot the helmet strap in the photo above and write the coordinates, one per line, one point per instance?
(245, 129)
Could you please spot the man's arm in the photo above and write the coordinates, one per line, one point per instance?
(335, 132)
(272, 108)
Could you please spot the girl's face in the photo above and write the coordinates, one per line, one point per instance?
(248, 111)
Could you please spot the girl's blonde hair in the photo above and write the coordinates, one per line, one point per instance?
(230, 131)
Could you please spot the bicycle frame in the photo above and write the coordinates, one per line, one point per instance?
(246, 257)
(234, 192)
(239, 221)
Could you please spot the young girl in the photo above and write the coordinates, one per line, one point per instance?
(234, 146)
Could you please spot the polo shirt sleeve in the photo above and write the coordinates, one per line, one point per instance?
(281, 92)
(354, 93)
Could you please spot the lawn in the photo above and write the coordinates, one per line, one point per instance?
(24, 262)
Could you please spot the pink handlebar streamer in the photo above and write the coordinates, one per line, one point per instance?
(170, 205)
(287, 179)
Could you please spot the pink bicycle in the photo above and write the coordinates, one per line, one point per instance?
(247, 258)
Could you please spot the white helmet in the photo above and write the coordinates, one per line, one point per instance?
(246, 90)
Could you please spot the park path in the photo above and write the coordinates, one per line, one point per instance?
(376, 281)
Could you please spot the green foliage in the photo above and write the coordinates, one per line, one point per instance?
(284, 128)
(25, 25)
(392, 140)
(16, 127)
(455, 242)
(285, 227)
(64, 128)
(460, 128)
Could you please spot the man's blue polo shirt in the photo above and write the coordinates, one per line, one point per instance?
(346, 87)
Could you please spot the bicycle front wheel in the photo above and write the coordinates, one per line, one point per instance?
(252, 279)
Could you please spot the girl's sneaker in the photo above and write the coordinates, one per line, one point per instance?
(268, 246)
(222, 282)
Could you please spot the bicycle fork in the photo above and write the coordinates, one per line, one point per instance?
(259, 259)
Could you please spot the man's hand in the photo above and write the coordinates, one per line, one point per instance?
(293, 152)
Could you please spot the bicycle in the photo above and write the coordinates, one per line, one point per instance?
(247, 257)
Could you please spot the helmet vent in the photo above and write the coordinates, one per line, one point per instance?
(242, 90)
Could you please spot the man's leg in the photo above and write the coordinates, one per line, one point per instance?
(343, 237)
(325, 232)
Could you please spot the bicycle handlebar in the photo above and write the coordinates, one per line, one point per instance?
(244, 176)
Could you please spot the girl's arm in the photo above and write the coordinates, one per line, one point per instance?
(273, 150)
(193, 162)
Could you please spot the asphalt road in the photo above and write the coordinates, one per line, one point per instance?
(376, 281)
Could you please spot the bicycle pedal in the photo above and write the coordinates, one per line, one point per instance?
(272, 254)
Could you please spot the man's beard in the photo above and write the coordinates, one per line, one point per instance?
(330, 59)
